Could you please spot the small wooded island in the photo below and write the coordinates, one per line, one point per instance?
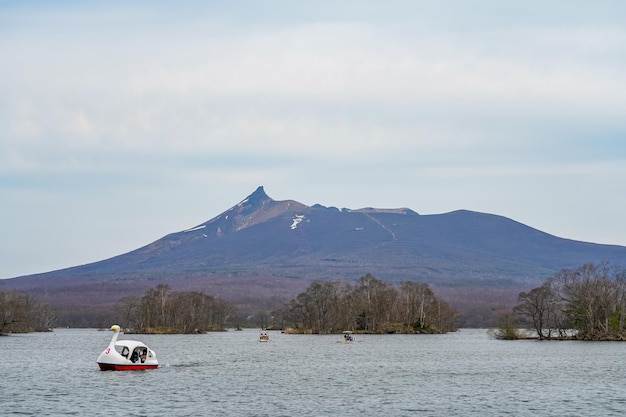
(370, 306)
(587, 303)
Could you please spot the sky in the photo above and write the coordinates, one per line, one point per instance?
(122, 122)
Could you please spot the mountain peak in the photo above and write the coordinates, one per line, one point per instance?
(254, 202)
(257, 195)
(256, 208)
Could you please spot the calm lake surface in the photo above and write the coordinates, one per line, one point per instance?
(233, 374)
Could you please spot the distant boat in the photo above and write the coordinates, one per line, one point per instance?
(264, 336)
(126, 355)
(348, 337)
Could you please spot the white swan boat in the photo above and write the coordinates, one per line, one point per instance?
(126, 355)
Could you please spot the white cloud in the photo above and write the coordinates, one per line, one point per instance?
(241, 91)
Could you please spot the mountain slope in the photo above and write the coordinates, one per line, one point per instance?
(260, 234)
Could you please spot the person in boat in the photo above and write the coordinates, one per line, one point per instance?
(143, 355)
(135, 356)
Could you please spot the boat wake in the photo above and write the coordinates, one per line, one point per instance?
(187, 365)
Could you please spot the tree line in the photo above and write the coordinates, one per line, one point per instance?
(162, 310)
(22, 313)
(369, 306)
(586, 303)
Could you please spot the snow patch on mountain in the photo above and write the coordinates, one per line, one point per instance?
(296, 221)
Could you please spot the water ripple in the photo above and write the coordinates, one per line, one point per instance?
(232, 374)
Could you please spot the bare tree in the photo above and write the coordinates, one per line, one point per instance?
(375, 300)
(415, 300)
(537, 309)
(590, 299)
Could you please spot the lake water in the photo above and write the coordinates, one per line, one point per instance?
(232, 374)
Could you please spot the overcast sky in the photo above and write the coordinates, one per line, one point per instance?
(121, 122)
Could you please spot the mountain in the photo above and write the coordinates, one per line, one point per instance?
(262, 252)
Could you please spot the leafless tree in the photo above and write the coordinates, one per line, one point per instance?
(375, 300)
(591, 300)
(538, 309)
(415, 303)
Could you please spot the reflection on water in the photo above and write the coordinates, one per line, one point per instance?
(233, 374)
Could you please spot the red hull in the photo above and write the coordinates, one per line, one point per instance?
(113, 367)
